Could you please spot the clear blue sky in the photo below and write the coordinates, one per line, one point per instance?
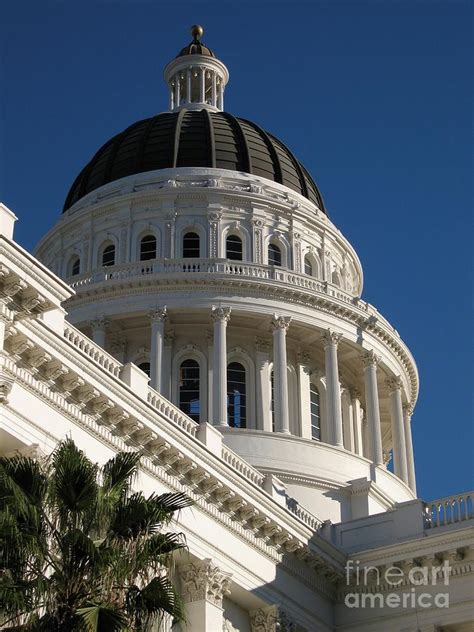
(375, 99)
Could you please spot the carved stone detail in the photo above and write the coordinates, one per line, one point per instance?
(220, 313)
(330, 338)
(394, 383)
(262, 344)
(369, 357)
(204, 581)
(160, 314)
(280, 322)
(272, 619)
(5, 388)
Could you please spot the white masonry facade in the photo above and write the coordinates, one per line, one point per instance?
(212, 317)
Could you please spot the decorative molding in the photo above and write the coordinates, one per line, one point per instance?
(280, 322)
(204, 581)
(330, 337)
(394, 384)
(158, 315)
(220, 313)
(271, 619)
(369, 358)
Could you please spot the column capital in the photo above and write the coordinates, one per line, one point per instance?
(168, 338)
(303, 357)
(99, 324)
(158, 315)
(220, 313)
(271, 619)
(369, 358)
(355, 393)
(280, 322)
(204, 580)
(263, 345)
(394, 383)
(330, 337)
(408, 409)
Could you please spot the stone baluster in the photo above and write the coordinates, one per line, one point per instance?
(280, 326)
(203, 588)
(394, 386)
(407, 413)
(262, 367)
(157, 318)
(99, 329)
(370, 361)
(331, 340)
(220, 316)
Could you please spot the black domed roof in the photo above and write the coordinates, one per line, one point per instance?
(197, 138)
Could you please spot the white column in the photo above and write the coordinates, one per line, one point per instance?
(370, 361)
(262, 379)
(280, 326)
(214, 89)
(157, 318)
(188, 85)
(220, 95)
(202, 86)
(210, 374)
(347, 420)
(177, 91)
(171, 96)
(407, 412)
(333, 392)
(203, 588)
(99, 328)
(220, 316)
(167, 361)
(357, 421)
(398, 429)
(304, 395)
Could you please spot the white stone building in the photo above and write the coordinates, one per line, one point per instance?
(196, 301)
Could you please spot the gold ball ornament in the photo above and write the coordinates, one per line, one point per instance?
(197, 31)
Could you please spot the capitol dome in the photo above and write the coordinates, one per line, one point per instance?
(194, 138)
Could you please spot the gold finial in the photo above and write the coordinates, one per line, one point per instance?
(197, 31)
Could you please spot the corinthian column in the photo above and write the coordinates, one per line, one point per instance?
(203, 588)
(220, 316)
(407, 412)
(280, 326)
(331, 340)
(99, 328)
(157, 319)
(370, 361)
(398, 430)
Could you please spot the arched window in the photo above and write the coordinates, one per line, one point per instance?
(148, 248)
(315, 413)
(145, 367)
(191, 246)
(74, 266)
(108, 255)
(233, 248)
(236, 396)
(189, 385)
(308, 266)
(274, 255)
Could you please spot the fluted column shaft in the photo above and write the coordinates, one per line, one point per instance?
(157, 319)
(357, 420)
(280, 326)
(398, 429)
(370, 361)
(333, 390)
(220, 316)
(407, 412)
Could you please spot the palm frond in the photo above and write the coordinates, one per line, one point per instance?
(102, 618)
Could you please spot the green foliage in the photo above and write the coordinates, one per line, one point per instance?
(81, 552)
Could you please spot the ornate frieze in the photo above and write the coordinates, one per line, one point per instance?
(204, 581)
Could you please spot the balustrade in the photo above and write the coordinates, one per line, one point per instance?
(449, 510)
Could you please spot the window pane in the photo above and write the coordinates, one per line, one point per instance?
(76, 266)
(145, 366)
(189, 379)
(108, 256)
(308, 268)
(191, 246)
(315, 413)
(236, 395)
(148, 248)
(234, 248)
(274, 255)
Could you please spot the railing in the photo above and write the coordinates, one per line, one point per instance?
(169, 410)
(94, 351)
(303, 514)
(449, 510)
(184, 267)
(241, 466)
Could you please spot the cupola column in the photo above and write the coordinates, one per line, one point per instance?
(398, 430)
(280, 326)
(331, 340)
(220, 316)
(214, 89)
(407, 412)
(357, 419)
(262, 367)
(370, 361)
(188, 85)
(157, 319)
(202, 85)
(99, 328)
